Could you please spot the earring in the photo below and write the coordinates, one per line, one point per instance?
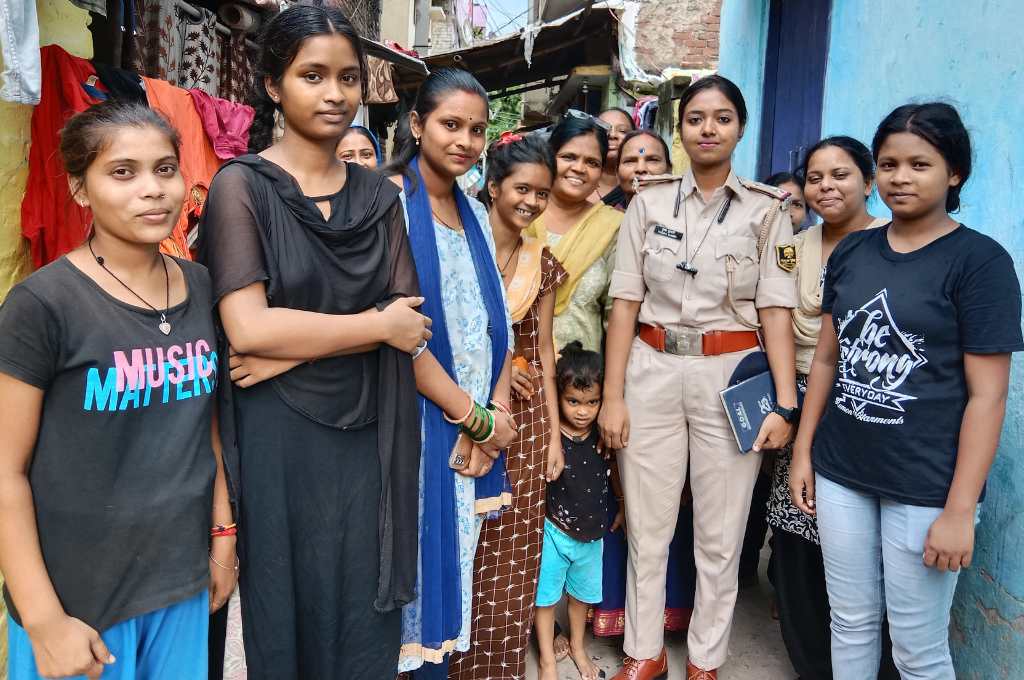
(417, 140)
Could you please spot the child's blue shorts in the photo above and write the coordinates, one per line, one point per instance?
(568, 565)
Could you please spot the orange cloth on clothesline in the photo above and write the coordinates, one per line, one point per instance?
(198, 160)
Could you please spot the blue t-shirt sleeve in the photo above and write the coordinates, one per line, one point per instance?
(28, 339)
(988, 304)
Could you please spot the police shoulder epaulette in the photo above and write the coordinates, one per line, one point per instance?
(766, 189)
(651, 180)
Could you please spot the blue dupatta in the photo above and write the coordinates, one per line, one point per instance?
(440, 595)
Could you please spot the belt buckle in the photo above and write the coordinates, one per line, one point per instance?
(685, 342)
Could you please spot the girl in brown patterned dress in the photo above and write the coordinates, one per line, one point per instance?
(519, 176)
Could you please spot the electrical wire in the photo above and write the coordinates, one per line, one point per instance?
(497, 6)
(514, 19)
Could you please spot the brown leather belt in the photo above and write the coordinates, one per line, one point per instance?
(693, 342)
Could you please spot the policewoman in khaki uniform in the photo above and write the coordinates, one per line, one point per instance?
(704, 263)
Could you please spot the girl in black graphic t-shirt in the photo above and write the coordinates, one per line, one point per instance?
(909, 383)
(108, 469)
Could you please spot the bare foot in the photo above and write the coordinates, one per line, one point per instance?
(586, 667)
(547, 671)
(561, 647)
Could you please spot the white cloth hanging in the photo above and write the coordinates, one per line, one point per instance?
(19, 45)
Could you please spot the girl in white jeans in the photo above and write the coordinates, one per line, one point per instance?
(909, 383)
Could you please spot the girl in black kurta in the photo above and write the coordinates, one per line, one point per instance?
(311, 266)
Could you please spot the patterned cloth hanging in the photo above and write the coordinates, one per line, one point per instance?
(235, 69)
(170, 44)
(381, 89)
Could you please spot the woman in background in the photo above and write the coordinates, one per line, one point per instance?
(792, 185)
(642, 153)
(839, 174)
(617, 124)
(580, 232)
(359, 145)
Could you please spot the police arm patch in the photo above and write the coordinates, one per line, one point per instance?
(785, 257)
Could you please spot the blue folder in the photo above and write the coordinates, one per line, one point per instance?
(749, 399)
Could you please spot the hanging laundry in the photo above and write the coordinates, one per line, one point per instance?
(175, 46)
(380, 88)
(226, 123)
(19, 46)
(112, 34)
(638, 109)
(199, 162)
(95, 6)
(201, 47)
(121, 84)
(646, 112)
(235, 68)
(51, 221)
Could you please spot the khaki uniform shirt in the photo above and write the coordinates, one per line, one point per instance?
(652, 242)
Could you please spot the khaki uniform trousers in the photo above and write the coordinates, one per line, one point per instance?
(677, 421)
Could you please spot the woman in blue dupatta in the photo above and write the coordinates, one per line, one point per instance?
(360, 145)
(463, 377)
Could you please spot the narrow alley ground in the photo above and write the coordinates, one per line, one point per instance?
(755, 653)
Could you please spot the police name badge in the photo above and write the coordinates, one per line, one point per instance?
(785, 257)
(662, 230)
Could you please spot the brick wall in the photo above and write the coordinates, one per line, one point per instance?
(443, 34)
(678, 33)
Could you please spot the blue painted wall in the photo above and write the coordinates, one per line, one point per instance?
(883, 54)
(744, 34)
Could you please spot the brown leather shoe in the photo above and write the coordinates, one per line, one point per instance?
(644, 669)
(694, 673)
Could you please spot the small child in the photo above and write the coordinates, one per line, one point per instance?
(577, 514)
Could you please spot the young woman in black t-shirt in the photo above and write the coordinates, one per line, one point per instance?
(108, 463)
(909, 382)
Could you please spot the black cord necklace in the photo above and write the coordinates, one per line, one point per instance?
(164, 326)
(509, 260)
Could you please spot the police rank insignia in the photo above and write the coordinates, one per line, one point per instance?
(785, 256)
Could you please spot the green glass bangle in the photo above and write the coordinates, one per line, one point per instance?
(490, 433)
(486, 430)
(475, 424)
(488, 425)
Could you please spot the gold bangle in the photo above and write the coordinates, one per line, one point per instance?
(501, 407)
(460, 421)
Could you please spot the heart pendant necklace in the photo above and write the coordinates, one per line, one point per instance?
(164, 325)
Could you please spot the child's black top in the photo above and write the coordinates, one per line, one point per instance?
(577, 500)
